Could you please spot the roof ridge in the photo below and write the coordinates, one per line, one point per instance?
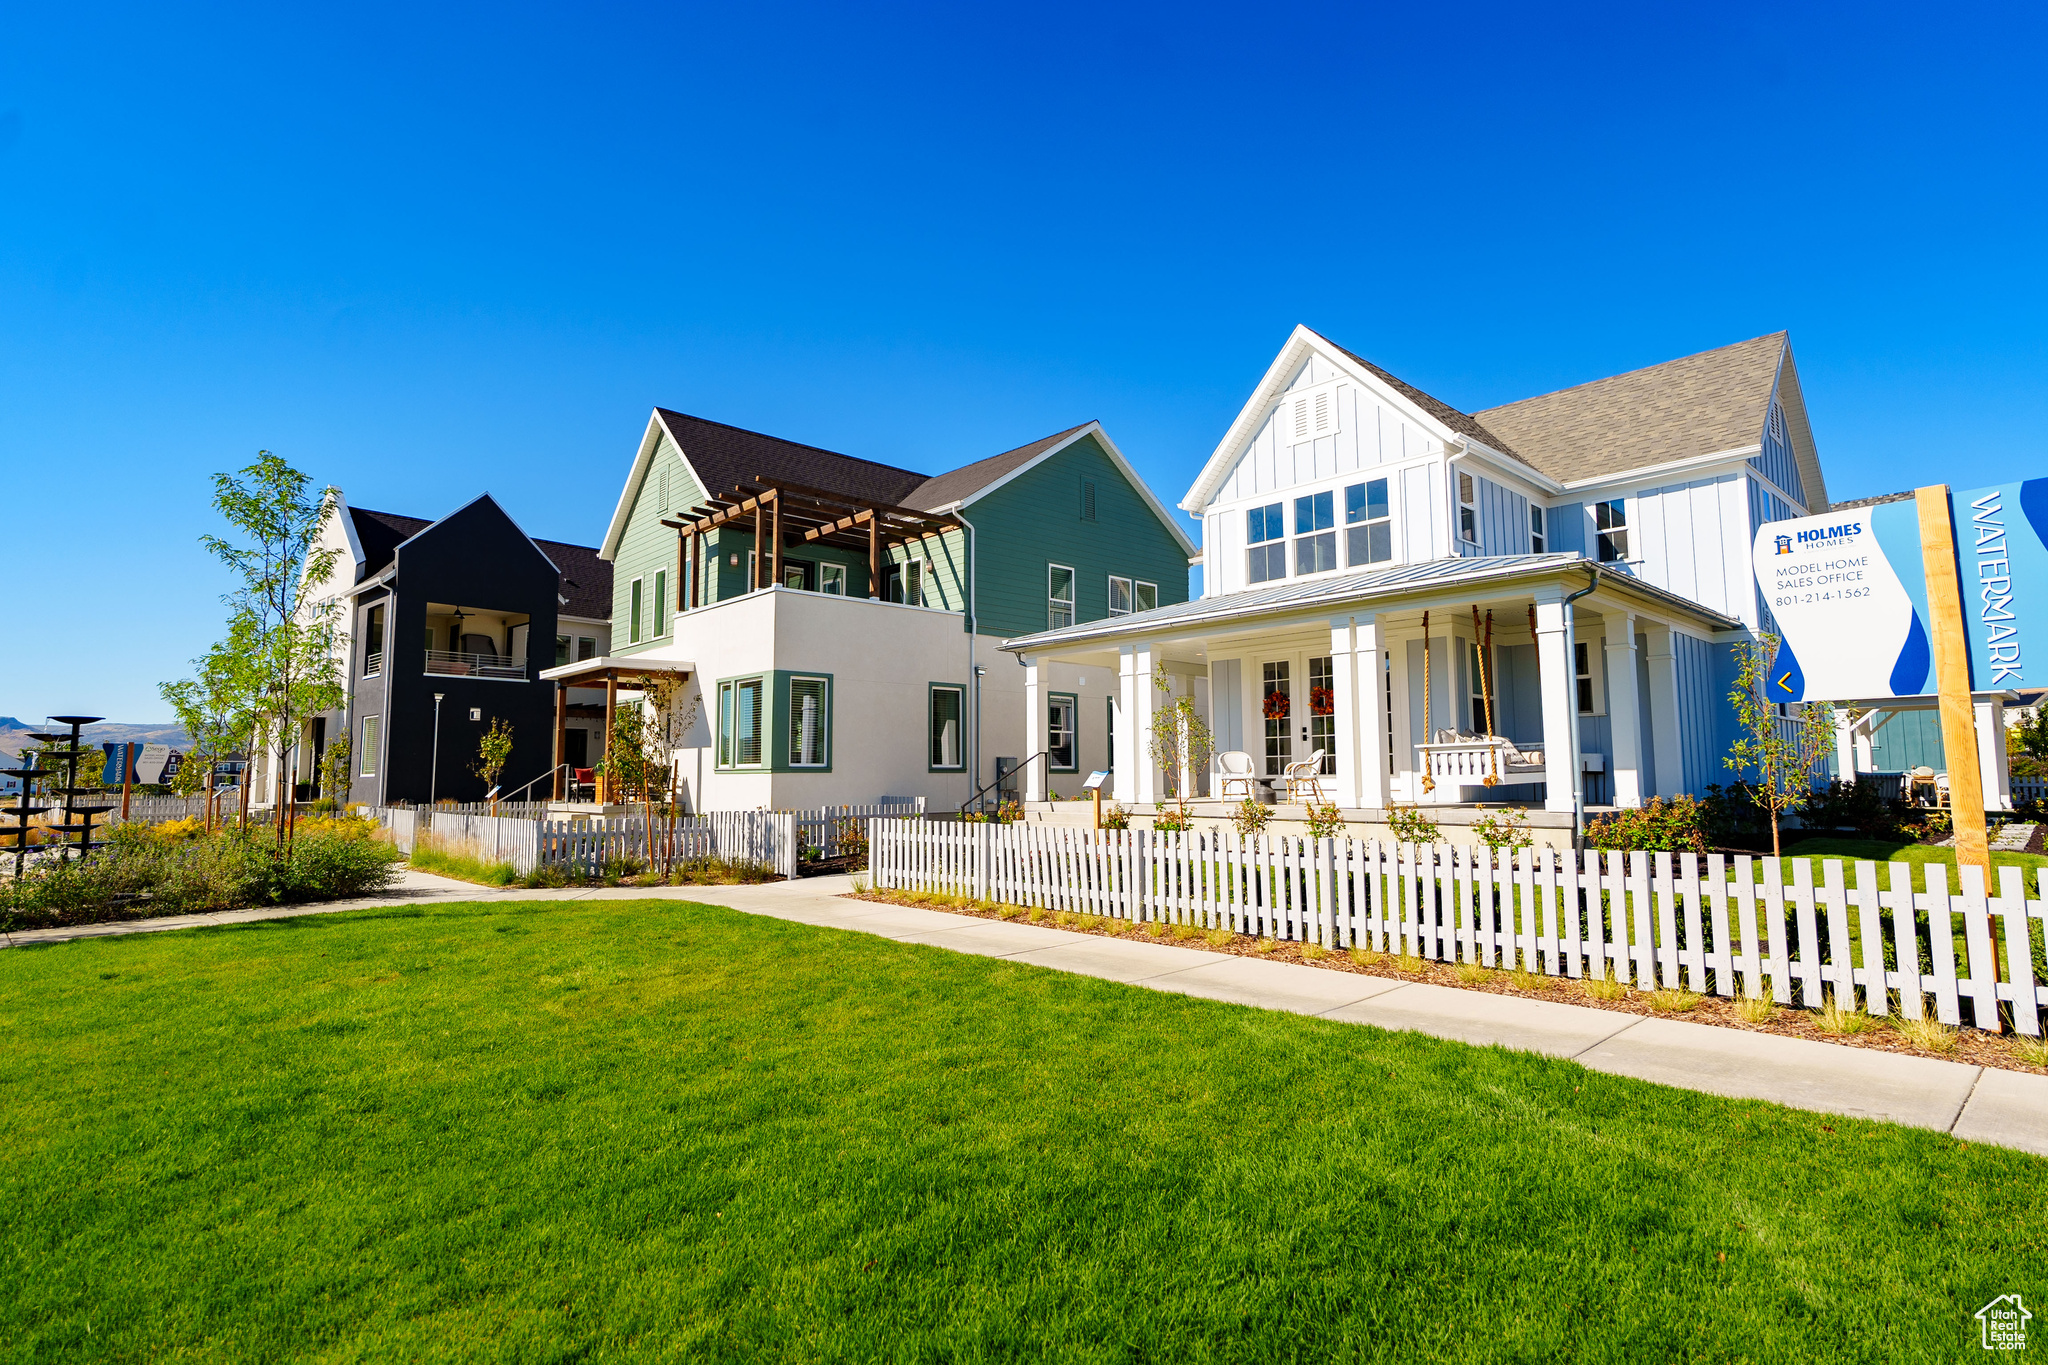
(1425, 400)
(1640, 369)
(784, 440)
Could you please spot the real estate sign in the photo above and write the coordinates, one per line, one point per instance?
(1848, 592)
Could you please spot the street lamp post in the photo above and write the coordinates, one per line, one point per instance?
(434, 772)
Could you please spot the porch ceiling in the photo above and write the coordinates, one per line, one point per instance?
(593, 672)
(1408, 588)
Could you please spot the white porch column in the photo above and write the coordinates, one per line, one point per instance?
(1368, 670)
(1344, 709)
(1845, 747)
(1624, 705)
(1991, 758)
(1664, 723)
(1557, 681)
(1866, 748)
(1035, 729)
(1123, 787)
(1407, 782)
(1144, 705)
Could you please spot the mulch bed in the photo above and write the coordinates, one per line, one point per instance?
(1973, 1046)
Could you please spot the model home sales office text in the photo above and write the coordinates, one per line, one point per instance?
(1846, 593)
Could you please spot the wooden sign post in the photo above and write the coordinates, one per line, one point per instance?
(1952, 678)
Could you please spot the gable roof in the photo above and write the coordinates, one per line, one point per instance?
(971, 480)
(586, 580)
(1696, 405)
(1463, 423)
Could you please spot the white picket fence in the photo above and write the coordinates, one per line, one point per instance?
(755, 836)
(1715, 925)
(841, 831)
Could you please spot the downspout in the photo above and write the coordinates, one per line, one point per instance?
(973, 626)
(1571, 659)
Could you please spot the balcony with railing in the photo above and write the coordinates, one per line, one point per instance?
(448, 663)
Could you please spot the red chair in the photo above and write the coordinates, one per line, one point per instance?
(585, 784)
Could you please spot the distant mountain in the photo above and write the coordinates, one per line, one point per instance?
(10, 723)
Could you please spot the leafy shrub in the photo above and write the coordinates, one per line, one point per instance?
(1173, 820)
(1411, 826)
(1675, 826)
(1325, 821)
(145, 871)
(1114, 816)
(1250, 817)
(1852, 806)
(1504, 829)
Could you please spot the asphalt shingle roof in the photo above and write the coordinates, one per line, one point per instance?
(1695, 405)
(726, 456)
(970, 479)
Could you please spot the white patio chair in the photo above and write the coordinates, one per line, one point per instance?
(1234, 768)
(1304, 776)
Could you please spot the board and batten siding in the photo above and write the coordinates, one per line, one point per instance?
(1035, 520)
(1503, 520)
(1776, 461)
(1368, 434)
(646, 546)
(1693, 539)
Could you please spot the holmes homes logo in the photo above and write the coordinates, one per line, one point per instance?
(1784, 545)
(2005, 1321)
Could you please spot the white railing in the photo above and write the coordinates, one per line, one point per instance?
(753, 836)
(1715, 925)
(1468, 763)
(452, 664)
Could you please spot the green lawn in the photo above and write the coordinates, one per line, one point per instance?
(1919, 855)
(593, 1131)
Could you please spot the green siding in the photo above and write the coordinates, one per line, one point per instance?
(1035, 520)
(646, 545)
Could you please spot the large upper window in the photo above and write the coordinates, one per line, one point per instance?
(1368, 525)
(1537, 540)
(832, 579)
(1119, 596)
(905, 582)
(373, 644)
(1147, 595)
(1266, 532)
(809, 714)
(1468, 508)
(947, 706)
(739, 722)
(1315, 536)
(1059, 596)
(1610, 520)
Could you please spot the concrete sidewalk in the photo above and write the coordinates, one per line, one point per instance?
(1977, 1104)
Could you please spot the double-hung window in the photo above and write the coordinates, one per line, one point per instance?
(1468, 508)
(1368, 524)
(1059, 596)
(633, 622)
(1119, 596)
(948, 705)
(367, 765)
(1610, 520)
(1265, 531)
(740, 723)
(1315, 535)
(1537, 540)
(810, 713)
(1062, 711)
(1147, 595)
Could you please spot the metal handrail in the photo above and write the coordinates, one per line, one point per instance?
(1042, 753)
(455, 664)
(542, 778)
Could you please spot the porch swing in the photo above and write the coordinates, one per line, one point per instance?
(1483, 758)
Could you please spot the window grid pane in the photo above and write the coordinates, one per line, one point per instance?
(807, 722)
(1060, 733)
(1280, 728)
(1322, 711)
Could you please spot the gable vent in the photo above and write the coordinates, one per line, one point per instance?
(1087, 499)
(1312, 415)
(664, 490)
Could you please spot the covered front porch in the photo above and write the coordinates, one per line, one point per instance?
(1539, 681)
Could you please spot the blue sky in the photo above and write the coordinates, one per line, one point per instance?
(424, 252)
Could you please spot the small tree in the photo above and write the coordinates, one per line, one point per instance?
(216, 707)
(1780, 749)
(334, 771)
(493, 751)
(1181, 743)
(280, 614)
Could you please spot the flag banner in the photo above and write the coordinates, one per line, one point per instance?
(1847, 594)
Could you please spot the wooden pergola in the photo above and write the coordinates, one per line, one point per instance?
(782, 513)
(608, 672)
